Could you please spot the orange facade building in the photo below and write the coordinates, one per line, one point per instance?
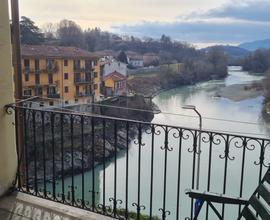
(65, 75)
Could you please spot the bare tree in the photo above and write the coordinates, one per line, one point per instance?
(70, 34)
(49, 30)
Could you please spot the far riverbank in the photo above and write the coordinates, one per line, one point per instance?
(152, 84)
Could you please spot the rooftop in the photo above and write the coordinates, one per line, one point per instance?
(55, 52)
(116, 76)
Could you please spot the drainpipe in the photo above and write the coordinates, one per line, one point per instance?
(8, 155)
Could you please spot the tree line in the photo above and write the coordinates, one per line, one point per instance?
(69, 33)
(257, 62)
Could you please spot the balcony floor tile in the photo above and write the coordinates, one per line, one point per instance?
(20, 206)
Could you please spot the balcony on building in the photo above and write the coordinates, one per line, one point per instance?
(53, 95)
(82, 80)
(83, 94)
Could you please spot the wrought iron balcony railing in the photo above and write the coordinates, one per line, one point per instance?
(83, 94)
(82, 81)
(53, 95)
(129, 169)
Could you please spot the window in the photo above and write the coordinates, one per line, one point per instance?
(88, 64)
(26, 77)
(77, 89)
(66, 102)
(65, 75)
(87, 89)
(95, 74)
(27, 92)
(37, 79)
(50, 64)
(26, 63)
(38, 91)
(51, 103)
(51, 90)
(77, 77)
(76, 100)
(65, 62)
(66, 89)
(36, 64)
(50, 78)
(95, 86)
(87, 76)
(77, 64)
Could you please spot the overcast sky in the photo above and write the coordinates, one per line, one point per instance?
(195, 21)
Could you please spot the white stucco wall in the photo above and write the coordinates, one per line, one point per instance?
(113, 66)
(8, 155)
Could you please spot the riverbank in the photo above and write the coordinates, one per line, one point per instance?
(240, 92)
(152, 84)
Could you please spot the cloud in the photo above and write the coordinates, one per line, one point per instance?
(230, 23)
(247, 10)
(200, 31)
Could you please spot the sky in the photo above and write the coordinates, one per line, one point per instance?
(201, 22)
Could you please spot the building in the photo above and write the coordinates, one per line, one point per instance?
(136, 62)
(109, 65)
(66, 75)
(115, 84)
(135, 59)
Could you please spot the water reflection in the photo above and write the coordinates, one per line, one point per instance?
(203, 96)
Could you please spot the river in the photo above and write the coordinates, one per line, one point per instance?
(202, 95)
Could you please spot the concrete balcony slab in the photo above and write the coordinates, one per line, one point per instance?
(20, 206)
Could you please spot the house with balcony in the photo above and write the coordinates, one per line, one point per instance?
(60, 74)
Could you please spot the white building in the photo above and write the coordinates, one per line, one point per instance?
(136, 62)
(110, 65)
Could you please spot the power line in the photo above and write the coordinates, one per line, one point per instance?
(168, 113)
(178, 114)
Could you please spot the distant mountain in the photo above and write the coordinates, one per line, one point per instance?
(254, 45)
(231, 51)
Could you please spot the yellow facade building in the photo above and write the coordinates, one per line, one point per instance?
(65, 75)
(115, 84)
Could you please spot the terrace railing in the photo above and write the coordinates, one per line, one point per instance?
(129, 169)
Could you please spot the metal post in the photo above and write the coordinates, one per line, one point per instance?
(192, 107)
(199, 151)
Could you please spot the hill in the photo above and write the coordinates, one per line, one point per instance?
(231, 51)
(254, 45)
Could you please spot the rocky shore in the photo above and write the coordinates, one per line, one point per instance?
(81, 150)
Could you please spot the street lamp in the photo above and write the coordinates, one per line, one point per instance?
(192, 107)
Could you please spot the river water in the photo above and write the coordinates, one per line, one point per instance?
(201, 95)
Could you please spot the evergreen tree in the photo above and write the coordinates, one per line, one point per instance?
(30, 33)
(122, 57)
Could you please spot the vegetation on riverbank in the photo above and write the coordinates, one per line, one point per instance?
(212, 65)
(257, 62)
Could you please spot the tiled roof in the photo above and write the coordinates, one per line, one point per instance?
(55, 51)
(116, 76)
